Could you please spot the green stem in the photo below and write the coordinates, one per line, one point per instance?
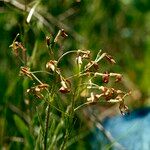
(73, 51)
(84, 104)
(36, 78)
(40, 71)
(55, 134)
(46, 126)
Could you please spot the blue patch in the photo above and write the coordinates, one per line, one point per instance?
(131, 131)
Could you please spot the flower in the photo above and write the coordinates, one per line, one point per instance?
(123, 108)
(48, 40)
(110, 59)
(118, 77)
(60, 33)
(65, 88)
(92, 65)
(25, 71)
(37, 90)
(52, 65)
(105, 77)
(63, 33)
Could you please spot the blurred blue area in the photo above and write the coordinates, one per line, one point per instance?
(131, 131)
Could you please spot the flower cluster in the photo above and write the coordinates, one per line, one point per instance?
(87, 71)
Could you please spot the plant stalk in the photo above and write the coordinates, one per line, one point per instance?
(46, 126)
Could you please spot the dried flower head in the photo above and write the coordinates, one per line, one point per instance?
(105, 77)
(16, 46)
(64, 90)
(48, 40)
(65, 86)
(110, 59)
(123, 108)
(85, 54)
(51, 65)
(118, 77)
(61, 33)
(92, 66)
(37, 90)
(25, 71)
(79, 60)
(82, 54)
(94, 97)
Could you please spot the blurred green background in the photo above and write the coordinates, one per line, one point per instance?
(119, 27)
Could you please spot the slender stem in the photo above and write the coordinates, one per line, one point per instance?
(57, 129)
(36, 78)
(59, 109)
(76, 75)
(73, 51)
(40, 71)
(46, 126)
(82, 105)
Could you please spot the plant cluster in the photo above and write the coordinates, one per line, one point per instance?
(66, 93)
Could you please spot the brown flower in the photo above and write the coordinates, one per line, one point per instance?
(123, 108)
(105, 77)
(25, 71)
(37, 90)
(48, 40)
(92, 65)
(52, 65)
(110, 59)
(118, 77)
(85, 54)
(65, 88)
(63, 33)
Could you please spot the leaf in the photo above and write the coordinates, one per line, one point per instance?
(31, 12)
(23, 129)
